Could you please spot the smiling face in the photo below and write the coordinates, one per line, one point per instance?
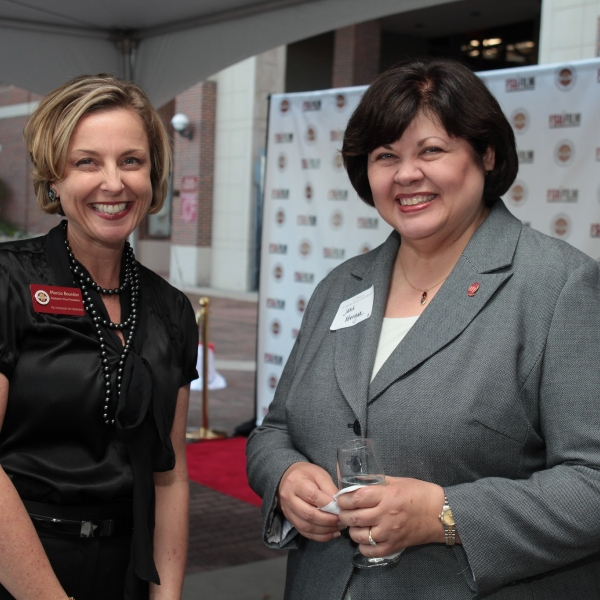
(106, 188)
(427, 185)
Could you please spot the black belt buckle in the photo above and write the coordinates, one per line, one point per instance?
(83, 529)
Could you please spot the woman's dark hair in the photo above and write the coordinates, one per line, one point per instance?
(439, 87)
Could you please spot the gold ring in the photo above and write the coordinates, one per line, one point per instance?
(371, 540)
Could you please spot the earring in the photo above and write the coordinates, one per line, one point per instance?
(52, 195)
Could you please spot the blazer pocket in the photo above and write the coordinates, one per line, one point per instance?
(503, 415)
(513, 430)
(502, 437)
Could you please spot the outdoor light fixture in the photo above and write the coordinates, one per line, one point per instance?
(181, 124)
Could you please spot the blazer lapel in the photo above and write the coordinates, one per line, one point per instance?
(356, 346)
(487, 261)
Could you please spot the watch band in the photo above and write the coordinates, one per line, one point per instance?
(447, 520)
(450, 535)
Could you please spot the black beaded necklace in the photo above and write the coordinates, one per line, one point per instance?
(131, 281)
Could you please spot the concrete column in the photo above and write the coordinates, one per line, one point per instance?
(569, 30)
(241, 125)
(191, 233)
(356, 54)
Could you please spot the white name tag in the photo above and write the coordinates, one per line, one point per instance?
(354, 310)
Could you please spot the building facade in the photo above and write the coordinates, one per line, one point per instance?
(208, 234)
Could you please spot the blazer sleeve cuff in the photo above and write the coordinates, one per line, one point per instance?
(279, 532)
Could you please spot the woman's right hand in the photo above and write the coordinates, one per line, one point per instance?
(303, 489)
(25, 570)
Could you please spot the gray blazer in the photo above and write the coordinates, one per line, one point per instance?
(494, 396)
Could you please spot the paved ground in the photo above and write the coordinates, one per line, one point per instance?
(227, 559)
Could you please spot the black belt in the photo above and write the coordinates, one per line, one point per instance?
(84, 529)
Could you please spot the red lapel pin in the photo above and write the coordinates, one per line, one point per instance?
(473, 289)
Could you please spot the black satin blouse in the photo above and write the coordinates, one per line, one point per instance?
(54, 444)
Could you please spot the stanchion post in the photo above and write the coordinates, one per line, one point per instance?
(204, 432)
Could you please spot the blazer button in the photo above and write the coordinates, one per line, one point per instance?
(355, 428)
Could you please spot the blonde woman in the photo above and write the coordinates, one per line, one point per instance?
(96, 354)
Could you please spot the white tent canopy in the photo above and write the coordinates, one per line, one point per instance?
(165, 46)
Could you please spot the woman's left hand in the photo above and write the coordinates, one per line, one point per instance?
(402, 513)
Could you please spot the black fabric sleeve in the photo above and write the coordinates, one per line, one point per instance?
(189, 345)
(11, 316)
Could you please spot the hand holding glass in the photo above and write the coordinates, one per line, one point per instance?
(358, 464)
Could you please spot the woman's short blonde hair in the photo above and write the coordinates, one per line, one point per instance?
(49, 130)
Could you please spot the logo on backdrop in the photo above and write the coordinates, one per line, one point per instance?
(284, 138)
(337, 253)
(336, 220)
(519, 84)
(295, 333)
(525, 157)
(518, 193)
(340, 101)
(519, 119)
(564, 153)
(277, 303)
(336, 135)
(565, 78)
(273, 359)
(277, 272)
(284, 106)
(277, 249)
(560, 226)
(304, 277)
(598, 154)
(301, 305)
(282, 161)
(364, 248)
(307, 220)
(367, 223)
(343, 194)
(275, 328)
(595, 230)
(272, 382)
(568, 196)
(305, 248)
(338, 161)
(280, 217)
(280, 194)
(310, 163)
(311, 134)
(564, 120)
(308, 192)
(309, 105)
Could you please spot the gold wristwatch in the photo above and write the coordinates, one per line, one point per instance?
(448, 522)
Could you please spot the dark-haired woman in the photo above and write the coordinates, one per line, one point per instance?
(476, 374)
(96, 354)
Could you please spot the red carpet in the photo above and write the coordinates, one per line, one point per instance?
(221, 466)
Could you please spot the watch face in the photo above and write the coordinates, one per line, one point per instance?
(447, 518)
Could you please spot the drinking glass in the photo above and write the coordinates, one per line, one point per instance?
(359, 465)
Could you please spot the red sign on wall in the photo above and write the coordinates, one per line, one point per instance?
(189, 207)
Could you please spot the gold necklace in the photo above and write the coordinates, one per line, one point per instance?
(423, 292)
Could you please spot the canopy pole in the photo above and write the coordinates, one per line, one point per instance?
(127, 43)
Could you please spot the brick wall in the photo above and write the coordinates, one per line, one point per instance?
(193, 175)
(20, 208)
(356, 54)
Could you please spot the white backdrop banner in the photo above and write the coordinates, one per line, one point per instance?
(555, 114)
(313, 219)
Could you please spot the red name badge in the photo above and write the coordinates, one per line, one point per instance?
(57, 300)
